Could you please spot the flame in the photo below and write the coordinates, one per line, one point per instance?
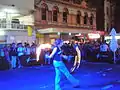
(42, 46)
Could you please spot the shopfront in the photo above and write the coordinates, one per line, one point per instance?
(50, 34)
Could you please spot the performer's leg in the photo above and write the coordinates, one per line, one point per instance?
(65, 71)
(57, 79)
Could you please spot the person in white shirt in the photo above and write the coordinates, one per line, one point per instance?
(104, 47)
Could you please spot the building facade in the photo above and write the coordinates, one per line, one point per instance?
(105, 14)
(15, 16)
(63, 18)
(109, 15)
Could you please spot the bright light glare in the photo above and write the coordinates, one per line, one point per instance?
(70, 34)
(2, 33)
(2, 15)
(10, 10)
(94, 36)
(79, 34)
(66, 42)
(47, 46)
(42, 46)
(110, 37)
(58, 33)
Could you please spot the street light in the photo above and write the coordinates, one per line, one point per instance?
(70, 34)
(58, 33)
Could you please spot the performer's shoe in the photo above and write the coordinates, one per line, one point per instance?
(77, 85)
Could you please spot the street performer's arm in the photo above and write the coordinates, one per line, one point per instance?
(53, 53)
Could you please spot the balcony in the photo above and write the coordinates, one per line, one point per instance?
(12, 26)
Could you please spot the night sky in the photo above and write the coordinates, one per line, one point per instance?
(117, 15)
(99, 4)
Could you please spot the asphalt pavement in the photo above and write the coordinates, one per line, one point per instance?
(92, 76)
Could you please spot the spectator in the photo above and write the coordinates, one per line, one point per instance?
(21, 51)
(13, 55)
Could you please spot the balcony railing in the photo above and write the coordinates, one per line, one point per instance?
(12, 26)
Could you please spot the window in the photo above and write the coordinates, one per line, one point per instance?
(86, 18)
(55, 14)
(107, 11)
(78, 17)
(65, 17)
(65, 13)
(44, 11)
(43, 14)
(91, 19)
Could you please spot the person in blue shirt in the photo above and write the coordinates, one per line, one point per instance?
(60, 66)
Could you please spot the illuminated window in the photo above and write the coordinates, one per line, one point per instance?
(55, 14)
(44, 11)
(86, 18)
(65, 13)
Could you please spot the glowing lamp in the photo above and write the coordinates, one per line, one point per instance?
(70, 34)
(58, 33)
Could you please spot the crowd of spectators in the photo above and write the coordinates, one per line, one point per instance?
(16, 55)
(94, 51)
(19, 55)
